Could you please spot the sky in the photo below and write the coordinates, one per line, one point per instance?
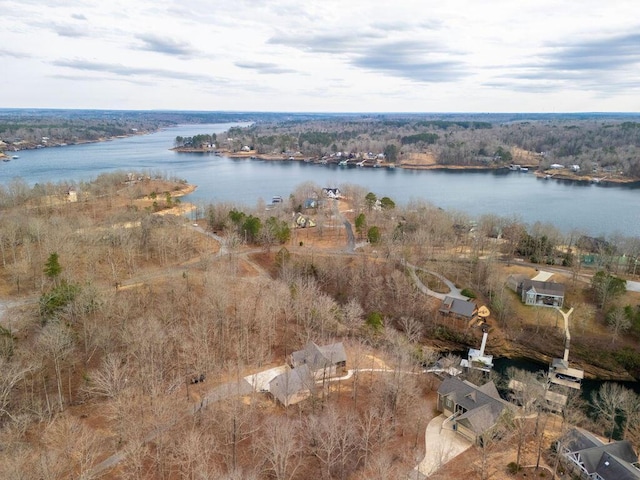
(322, 56)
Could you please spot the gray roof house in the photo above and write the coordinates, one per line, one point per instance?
(457, 307)
(323, 362)
(292, 386)
(472, 410)
(541, 294)
(588, 457)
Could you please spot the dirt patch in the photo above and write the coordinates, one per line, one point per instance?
(422, 159)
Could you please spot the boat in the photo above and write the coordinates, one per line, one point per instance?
(15, 157)
(6, 159)
(343, 163)
(524, 169)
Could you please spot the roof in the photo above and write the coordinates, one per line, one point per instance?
(483, 404)
(612, 461)
(458, 306)
(317, 357)
(544, 288)
(611, 467)
(291, 382)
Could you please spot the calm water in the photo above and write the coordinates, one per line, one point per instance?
(594, 209)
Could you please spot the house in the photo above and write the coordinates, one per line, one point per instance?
(293, 386)
(588, 457)
(310, 203)
(323, 362)
(459, 308)
(472, 410)
(331, 192)
(541, 294)
(302, 221)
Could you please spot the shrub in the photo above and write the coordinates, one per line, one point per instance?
(374, 320)
(468, 293)
(513, 468)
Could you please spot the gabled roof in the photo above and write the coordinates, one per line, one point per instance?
(622, 451)
(291, 382)
(458, 306)
(317, 357)
(483, 405)
(611, 467)
(544, 288)
(612, 461)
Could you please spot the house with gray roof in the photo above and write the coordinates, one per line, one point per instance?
(459, 308)
(323, 362)
(472, 410)
(541, 294)
(588, 457)
(293, 386)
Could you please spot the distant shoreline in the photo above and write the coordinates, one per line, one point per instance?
(58, 144)
(542, 174)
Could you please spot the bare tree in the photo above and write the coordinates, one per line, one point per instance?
(11, 374)
(618, 322)
(110, 379)
(280, 447)
(608, 401)
(56, 342)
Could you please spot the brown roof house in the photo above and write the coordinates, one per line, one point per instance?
(541, 294)
(293, 386)
(323, 362)
(472, 410)
(587, 457)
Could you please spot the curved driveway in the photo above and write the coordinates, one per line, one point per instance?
(453, 290)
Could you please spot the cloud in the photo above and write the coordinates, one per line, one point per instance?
(413, 60)
(14, 54)
(600, 54)
(71, 31)
(99, 79)
(167, 46)
(264, 68)
(326, 43)
(126, 71)
(603, 64)
(421, 61)
(78, 16)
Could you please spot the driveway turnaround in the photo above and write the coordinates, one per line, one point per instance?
(442, 445)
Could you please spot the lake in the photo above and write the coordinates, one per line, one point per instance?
(592, 209)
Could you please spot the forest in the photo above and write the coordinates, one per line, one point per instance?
(592, 145)
(127, 331)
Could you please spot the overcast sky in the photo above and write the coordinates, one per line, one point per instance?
(323, 55)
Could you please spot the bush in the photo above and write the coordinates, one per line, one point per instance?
(468, 293)
(513, 468)
(374, 320)
(58, 298)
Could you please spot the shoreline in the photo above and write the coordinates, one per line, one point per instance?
(55, 144)
(586, 179)
(540, 174)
